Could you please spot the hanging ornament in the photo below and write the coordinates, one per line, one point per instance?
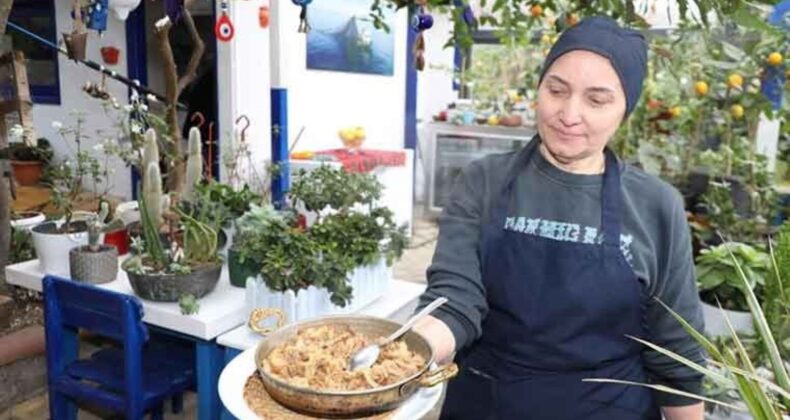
(224, 28)
(421, 22)
(97, 15)
(304, 25)
(263, 16)
(173, 8)
(121, 8)
(77, 40)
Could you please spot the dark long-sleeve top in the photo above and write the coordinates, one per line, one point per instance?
(552, 203)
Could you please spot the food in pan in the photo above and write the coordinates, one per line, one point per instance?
(317, 358)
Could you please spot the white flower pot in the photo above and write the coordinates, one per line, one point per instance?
(128, 212)
(53, 248)
(369, 283)
(121, 8)
(32, 218)
(716, 324)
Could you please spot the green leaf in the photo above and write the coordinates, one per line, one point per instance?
(709, 347)
(664, 388)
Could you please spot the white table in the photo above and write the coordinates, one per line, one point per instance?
(221, 310)
(397, 304)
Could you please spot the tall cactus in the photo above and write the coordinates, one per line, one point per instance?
(150, 150)
(152, 193)
(194, 165)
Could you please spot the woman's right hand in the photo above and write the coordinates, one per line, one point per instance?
(439, 336)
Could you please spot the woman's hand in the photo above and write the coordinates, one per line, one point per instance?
(439, 336)
(687, 412)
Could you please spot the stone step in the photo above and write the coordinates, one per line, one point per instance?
(6, 310)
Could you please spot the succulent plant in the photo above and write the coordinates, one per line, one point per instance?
(97, 225)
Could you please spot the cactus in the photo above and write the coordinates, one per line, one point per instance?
(152, 192)
(150, 150)
(151, 208)
(97, 226)
(194, 165)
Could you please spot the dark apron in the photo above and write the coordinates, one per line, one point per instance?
(559, 312)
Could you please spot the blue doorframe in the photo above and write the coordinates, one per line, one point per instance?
(136, 62)
(410, 116)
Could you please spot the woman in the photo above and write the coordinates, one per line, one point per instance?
(552, 256)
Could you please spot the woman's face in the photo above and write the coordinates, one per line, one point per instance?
(580, 106)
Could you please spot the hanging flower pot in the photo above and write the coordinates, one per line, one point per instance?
(76, 45)
(110, 55)
(263, 16)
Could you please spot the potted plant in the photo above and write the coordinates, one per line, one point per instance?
(54, 239)
(29, 159)
(167, 269)
(336, 263)
(719, 283)
(249, 228)
(96, 263)
(27, 219)
(762, 392)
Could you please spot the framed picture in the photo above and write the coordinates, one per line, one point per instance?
(343, 38)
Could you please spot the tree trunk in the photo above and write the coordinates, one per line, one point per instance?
(173, 88)
(5, 216)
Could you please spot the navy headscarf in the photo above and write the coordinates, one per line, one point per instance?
(626, 49)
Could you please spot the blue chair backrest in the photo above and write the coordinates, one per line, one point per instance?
(88, 307)
(69, 306)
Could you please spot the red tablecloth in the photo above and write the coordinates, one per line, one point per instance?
(365, 160)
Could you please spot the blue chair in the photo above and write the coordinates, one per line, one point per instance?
(133, 378)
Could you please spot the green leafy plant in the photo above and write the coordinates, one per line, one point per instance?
(718, 275)
(338, 189)
(731, 367)
(777, 294)
(21, 248)
(188, 304)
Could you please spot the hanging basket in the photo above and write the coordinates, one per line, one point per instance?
(76, 45)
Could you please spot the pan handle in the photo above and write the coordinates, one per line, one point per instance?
(435, 377)
(261, 314)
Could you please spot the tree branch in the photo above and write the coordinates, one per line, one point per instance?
(197, 54)
(175, 168)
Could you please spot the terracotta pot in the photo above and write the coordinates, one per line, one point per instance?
(27, 173)
(110, 55)
(76, 45)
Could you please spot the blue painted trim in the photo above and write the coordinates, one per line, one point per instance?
(208, 366)
(280, 184)
(410, 115)
(136, 62)
(42, 94)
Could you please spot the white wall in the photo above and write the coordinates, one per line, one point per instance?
(72, 77)
(244, 81)
(324, 101)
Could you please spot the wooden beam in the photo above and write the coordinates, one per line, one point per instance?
(5, 10)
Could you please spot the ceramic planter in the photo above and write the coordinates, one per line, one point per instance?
(716, 325)
(170, 287)
(118, 239)
(95, 267)
(239, 272)
(76, 44)
(53, 247)
(27, 220)
(369, 283)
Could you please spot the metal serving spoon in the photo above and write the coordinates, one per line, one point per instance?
(367, 356)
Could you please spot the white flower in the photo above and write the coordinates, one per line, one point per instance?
(380, 221)
(136, 127)
(16, 132)
(144, 107)
(99, 148)
(127, 108)
(57, 125)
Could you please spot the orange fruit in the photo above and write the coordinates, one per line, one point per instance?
(735, 81)
(736, 111)
(536, 10)
(653, 103)
(572, 19)
(701, 88)
(775, 59)
(675, 111)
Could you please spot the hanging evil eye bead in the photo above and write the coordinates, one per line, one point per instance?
(224, 29)
(422, 21)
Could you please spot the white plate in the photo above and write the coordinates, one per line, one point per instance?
(235, 374)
